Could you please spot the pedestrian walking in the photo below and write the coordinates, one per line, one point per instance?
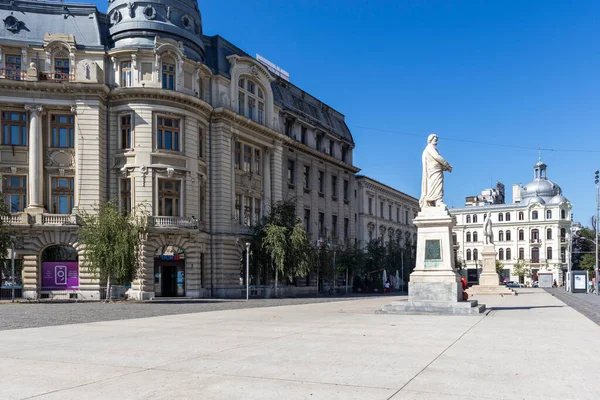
(386, 286)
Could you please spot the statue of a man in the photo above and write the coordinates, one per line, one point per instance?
(487, 229)
(434, 165)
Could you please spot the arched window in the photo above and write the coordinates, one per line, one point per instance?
(521, 216)
(563, 233)
(501, 254)
(521, 234)
(501, 236)
(548, 214)
(549, 253)
(468, 219)
(535, 234)
(508, 236)
(508, 254)
(475, 236)
(563, 214)
(549, 233)
(507, 216)
(469, 255)
(521, 253)
(534, 215)
(251, 100)
(475, 254)
(500, 217)
(535, 255)
(474, 218)
(468, 236)
(168, 73)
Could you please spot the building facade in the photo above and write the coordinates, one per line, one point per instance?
(138, 105)
(385, 213)
(534, 230)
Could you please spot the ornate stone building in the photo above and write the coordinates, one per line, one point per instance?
(138, 105)
(384, 212)
(534, 229)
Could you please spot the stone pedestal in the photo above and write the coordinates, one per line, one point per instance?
(488, 280)
(434, 285)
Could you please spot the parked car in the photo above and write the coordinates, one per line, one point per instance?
(512, 284)
(535, 284)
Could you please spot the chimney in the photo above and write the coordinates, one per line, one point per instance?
(516, 193)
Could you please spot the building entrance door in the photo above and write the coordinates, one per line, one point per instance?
(169, 281)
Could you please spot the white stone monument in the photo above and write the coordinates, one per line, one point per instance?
(489, 284)
(434, 285)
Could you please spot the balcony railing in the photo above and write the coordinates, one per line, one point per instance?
(56, 76)
(11, 73)
(535, 241)
(174, 222)
(563, 240)
(59, 219)
(16, 218)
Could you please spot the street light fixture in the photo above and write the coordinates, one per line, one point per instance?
(596, 180)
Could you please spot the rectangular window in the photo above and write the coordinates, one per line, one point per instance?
(334, 187)
(331, 148)
(63, 130)
(126, 72)
(563, 254)
(62, 195)
(549, 253)
(61, 69)
(344, 153)
(346, 228)
(241, 103)
(200, 143)
(381, 209)
(370, 206)
(406, 217)
(126, 131)
(346, 186)
(167, 136)
(14, 128)
(306, 177)
(390, 212)
(334, 220)
(257, 162)
(168, 76)
(303, 135)
(238, 208)
(321, 182)
(291, 172)
(238, 155)
(125, 195)
(321, 224)
(288, 127)
(247, 210)
(169, 197)
(14, 189)
(247, 158)
(13, 67)
(256, 211)
(397, 214)
(307, 220)
(319, 142)
(261, 112)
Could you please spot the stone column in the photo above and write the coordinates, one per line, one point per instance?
(36, 174)
(233, 168)
(277, 172)
(267, 182)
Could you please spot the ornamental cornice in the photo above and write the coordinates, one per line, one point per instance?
(66, 88)
(137, 94)
(394, 195)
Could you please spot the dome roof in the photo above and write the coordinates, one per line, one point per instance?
(534, 199)
(541, 187)
(558, 199)
(135, 25)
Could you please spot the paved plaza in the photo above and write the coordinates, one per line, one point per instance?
(529, 346)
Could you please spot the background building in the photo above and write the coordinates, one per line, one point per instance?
(534, 229)
(137, 104)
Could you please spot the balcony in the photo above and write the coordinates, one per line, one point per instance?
(57, 219)
(535, 241)
(56, 76)
(16, 219)
(563, 240)
(11, 73)
(174, 222)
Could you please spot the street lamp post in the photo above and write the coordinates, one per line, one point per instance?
(596, 176)
(12, 268)
(247, 271)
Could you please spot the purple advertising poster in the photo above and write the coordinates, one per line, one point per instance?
(60, 275)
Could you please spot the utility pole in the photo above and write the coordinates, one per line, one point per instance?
(247, 271)
(596, 179)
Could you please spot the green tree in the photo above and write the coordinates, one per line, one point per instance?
(499, 267)
(5, 242)
(587, 262)
(520, 269)
(112, 242)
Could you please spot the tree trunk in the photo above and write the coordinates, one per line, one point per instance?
(108, 296)
(276, 277)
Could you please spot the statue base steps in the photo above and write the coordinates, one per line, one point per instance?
(469, 307)
(485, 290)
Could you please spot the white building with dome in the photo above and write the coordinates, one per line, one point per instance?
(534, 228)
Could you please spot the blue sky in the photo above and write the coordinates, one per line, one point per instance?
(494, 79)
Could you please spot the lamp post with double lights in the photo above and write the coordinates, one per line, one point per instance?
(596, 180)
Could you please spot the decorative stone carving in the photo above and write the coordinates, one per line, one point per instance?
(130, 8)
(187, 22)
(149, 12)
(169, 12)
(254, 71)
(60, 158)
(170, 172)
(144, 172)
(116, 17)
